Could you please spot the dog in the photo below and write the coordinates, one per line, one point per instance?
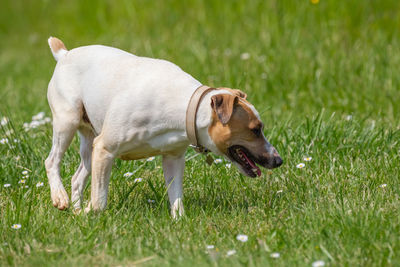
(130, 107)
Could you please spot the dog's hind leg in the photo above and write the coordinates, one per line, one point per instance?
(66, 118)
(79, 180)
(64, 129)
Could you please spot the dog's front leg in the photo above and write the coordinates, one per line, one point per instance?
(102, 161)
(173, 167)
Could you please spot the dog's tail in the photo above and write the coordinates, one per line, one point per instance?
(57, 47)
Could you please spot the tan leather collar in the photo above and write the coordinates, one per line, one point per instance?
(191, 113)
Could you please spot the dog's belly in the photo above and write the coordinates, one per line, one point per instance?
(146, 154)
(143, 152)
(140, 154)
(172, 143)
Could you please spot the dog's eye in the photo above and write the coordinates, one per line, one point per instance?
(257, 131)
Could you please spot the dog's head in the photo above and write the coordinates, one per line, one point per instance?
(237, 132)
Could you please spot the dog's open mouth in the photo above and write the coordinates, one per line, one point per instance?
(245, 159)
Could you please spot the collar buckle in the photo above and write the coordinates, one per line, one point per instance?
(204, 151)
(200, 149)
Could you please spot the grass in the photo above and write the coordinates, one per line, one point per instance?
(325, 79)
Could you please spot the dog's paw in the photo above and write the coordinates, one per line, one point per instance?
(60, 198)
(76, 211)
(88, 208)
(76, 203)
(177, 209)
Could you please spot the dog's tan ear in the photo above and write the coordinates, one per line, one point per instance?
(223, 105)
(239, 93)
(235, 92)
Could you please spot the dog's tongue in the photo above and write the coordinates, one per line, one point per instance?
(252, 164)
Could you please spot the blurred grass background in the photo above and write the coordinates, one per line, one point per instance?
(324, 75)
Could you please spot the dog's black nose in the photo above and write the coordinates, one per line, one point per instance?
(278, 161)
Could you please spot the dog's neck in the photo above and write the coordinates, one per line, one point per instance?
(204, 120)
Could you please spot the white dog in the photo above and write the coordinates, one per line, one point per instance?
(130, 107)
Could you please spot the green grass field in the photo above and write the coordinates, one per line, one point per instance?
(325, 78)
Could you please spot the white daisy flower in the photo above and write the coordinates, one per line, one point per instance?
(3, 141)
(349, 117)
(216, 161)
(245, 56)
(279, 191)
(128, 174)
(22, 181)
(151, 159)
(138, 180)
(383, 185)
(24, 172)
(34, 124)
(47, 120)
(39, 184)
(17, 158)
(38, 116)
(300, 165)
(210, 246)
(318, 264)
(307, 158)
(4, 121)
(16, 226)
(151, 201)
(242, 238)
(26, 186)
(275, 255)
(228, 165)
(7, 185)
(231, 252)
